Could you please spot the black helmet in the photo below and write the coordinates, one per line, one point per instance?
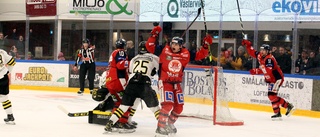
(142, 47)
(86, 41)
(177, 40)
(266, 47)
(121, 43)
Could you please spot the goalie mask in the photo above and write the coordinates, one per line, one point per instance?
(100, 94)
(142, 47)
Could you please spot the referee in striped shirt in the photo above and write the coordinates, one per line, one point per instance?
(86, 55)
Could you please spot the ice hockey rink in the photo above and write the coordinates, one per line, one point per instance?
(37, 115)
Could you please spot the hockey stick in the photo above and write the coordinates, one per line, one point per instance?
(204, 17)
(242, 31)
(199, 10)
(76, 114)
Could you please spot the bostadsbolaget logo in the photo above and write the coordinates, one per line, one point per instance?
(183, 8)
(114, 7)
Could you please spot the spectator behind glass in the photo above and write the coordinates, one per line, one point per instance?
(130, 50)
(303, 63)
(20, 46)
(4, 43)
(14, 52)
(61, 57)
(284, 60)
(193, 51)
(30, 56)
(238, 62)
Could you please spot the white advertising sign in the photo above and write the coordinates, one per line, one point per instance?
(253, 89)
(246, 88)
(40, 74)
(266, 10)
(114, 7)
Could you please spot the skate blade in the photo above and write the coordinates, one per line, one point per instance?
(291, 112)
(10, 123)
(160, 135)
(276, 119)
(125, 131)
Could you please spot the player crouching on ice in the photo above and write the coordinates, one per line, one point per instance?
(273, 76)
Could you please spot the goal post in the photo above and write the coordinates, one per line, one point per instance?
(207, 97)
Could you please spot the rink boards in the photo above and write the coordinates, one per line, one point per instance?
(244, 91)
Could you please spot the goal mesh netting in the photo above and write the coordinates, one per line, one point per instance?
(207, 97)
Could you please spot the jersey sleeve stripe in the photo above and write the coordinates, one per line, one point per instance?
(11, 62)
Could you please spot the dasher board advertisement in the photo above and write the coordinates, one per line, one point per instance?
(40, 74)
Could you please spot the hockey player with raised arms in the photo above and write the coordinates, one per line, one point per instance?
(141, 70)
(173, 60)
(273, 76)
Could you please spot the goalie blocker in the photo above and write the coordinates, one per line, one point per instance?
(99, 117)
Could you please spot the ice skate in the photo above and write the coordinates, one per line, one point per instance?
(172, 129)
(276, 117)
(9, 120)
(290, 110)
(162, 132)
(80, 92)
(132, 124)
(108, 127)
(122, 128)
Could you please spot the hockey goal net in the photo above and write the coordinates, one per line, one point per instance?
(207, 97)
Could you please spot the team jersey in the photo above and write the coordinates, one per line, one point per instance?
(118, 64)
(173, 64)
(143, 63)
(85, 55)
(8, 60)
(268, 66)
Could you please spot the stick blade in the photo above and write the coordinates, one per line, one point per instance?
(63, 109)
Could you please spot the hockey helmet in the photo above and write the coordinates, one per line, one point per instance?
(177, 40)
(121, 43)
(100, 94)
(265, 47)
(86, 41)
(142, 47)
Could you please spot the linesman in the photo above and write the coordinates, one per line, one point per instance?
(86, 55)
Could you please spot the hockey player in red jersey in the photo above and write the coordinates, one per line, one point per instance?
(173, 60)
(117, 75)
(273, 76)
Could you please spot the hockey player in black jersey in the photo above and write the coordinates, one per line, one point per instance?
(6, 65)
(141, 69)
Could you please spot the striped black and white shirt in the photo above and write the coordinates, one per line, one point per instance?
(85, 55)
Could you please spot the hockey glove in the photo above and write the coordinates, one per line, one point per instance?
(246, 43)
(154, 71)
(253, 71)
(155, 31)
(207, 41)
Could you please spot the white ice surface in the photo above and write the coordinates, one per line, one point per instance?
(37, 115)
